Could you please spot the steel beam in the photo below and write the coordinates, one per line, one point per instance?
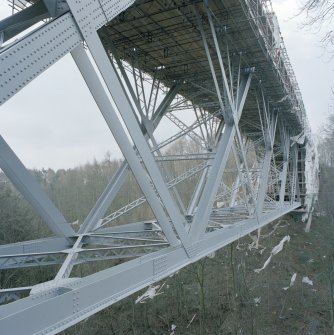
(224, 146)
(200, 220)
(41, 245)
(105, 200)
(22, 20)
(216, 90)
(50, 312)
(127, 113)
(93, 219)
(32, 192)
(137, 202)
(109, 114)
(285, 142)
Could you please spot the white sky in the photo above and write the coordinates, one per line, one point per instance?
(54, 122)
(312, 65)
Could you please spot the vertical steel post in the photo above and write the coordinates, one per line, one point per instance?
(294, 181)
(217, 169)
(286, 153)
(269, 143)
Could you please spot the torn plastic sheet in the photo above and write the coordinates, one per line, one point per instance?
(151, 292)
(173, 327)
(292, 281)
(266, 263)
(283, 99)
(311, 177)
(311, 169)
(211, 255)
(278, 248)
(300, 138)
(307, 280)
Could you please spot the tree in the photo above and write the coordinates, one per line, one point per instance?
(320, 15)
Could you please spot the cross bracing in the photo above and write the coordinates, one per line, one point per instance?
(222, 65)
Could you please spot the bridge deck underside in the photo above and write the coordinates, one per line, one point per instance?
(151, 35)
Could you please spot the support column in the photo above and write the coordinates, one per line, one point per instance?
(294, 181)
(197, 193)
(205, 204)
(286, 152)
(224, 146)
(128, 116)
(112, 189)
(246, 188)
(264, 181)
(147, 124)
(111, 118)
(283, 183)
(269, 138)
(233, 102)
(105, 200)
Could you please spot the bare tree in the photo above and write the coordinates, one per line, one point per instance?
(320, 14)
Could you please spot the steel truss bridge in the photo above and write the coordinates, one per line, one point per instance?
(223, 63)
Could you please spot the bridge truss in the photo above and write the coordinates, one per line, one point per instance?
(145, 62)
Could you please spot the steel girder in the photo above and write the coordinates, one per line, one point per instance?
(244, 173)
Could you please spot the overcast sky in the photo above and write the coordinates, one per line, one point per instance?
(312, 65)
(54, 122)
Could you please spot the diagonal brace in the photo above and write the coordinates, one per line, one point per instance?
(32, 192)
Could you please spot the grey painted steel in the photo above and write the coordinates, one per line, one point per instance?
(210, 189)
(27, 58)
(22, 20)
(235, 105)
(269, 131)
(294, 167)
(205, 204)
(248, 193)
(105, 200)
(198, 190)
(286, 153)
(147, 125)
(109, 114)
(41, 245)
(29, 188)
(165, 104)
(172, 240)
(263, 181)
(137, 202)
(213, 73)
(127, 113)
(87, 296)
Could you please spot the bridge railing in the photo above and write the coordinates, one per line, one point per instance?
(264, 21)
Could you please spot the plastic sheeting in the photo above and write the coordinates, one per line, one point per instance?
(311, 169)
(278, 248)
(292, 281)
(307, 280)
(151, 292)
(311, 176)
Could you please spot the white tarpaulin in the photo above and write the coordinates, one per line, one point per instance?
(151, 292)
(292, 281)
(311, 169)
(276, 250)
(307, 280)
